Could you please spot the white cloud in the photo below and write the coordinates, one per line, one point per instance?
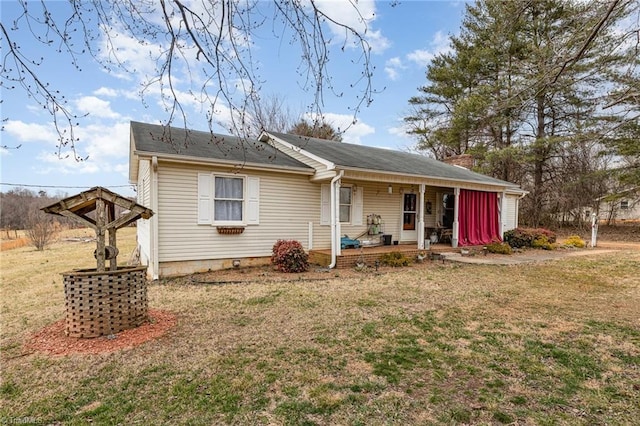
(138, 58)
(31, 132)
(400, 135)
(357, 15)
(353, 132)
(393, 67)
(440, 44)
(96, 107)
(402, 140)
(49, 163)
(106, 91)
(101, 141)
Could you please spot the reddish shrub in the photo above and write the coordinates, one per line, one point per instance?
(524, 237)
(289, 256)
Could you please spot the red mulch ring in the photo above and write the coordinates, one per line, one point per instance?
(52, 340)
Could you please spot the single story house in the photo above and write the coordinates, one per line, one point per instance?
(622, 206)
(221, 201)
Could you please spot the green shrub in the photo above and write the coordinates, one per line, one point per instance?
(525, 237)
(575, 241)
(289, 256)
(498, 247)
(395, 259)
(542, 242)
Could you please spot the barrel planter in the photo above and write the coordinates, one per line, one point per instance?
(104, 303)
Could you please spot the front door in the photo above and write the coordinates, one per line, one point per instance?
(409, 230)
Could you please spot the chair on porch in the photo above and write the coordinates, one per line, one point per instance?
(444, 234)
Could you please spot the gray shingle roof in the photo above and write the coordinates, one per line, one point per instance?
(385, 160)
(158, 139)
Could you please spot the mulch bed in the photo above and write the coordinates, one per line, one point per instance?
(51, 340)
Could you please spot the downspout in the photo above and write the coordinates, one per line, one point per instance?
(503, 213)
(154, 220)
(335, 238)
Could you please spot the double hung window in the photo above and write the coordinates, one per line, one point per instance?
(228, 199)
(345, 204)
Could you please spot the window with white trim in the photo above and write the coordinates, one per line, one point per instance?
(345, 204)
(228, 199)
(624, 205)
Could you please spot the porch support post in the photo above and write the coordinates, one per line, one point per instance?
(454, 237)
(421, 218)
(334, 213)
(503, 214)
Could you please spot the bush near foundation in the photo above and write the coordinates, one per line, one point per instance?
(525, 237)
(289, 256)
(498, 247)
(542, 242)
(395, 259)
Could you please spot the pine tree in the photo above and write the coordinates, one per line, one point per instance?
(523, 91)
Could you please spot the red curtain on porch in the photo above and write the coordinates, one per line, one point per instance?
(478, 218)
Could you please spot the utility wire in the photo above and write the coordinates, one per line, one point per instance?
(25, 185)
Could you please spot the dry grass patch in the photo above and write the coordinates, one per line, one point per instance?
(551, 343)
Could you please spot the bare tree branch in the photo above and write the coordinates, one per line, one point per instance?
(203, 52)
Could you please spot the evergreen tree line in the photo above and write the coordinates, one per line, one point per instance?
(542, 93)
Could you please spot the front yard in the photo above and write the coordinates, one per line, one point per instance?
(549, 343)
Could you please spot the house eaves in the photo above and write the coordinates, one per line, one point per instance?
(362, 158)
(232, 165)
(393, 177)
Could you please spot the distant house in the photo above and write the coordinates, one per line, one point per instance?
(221, 201)
(621, 206)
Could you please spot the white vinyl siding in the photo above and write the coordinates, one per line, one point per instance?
(373, 198)
(356, 208)
(511, 213)
(430, 196)
(287, 203)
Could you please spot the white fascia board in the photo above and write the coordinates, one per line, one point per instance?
(425, 179)
(224, 163)
(266, 137)
(516, 191)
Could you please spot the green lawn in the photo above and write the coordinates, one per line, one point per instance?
(552, 343)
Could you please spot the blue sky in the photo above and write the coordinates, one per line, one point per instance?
(404, 38)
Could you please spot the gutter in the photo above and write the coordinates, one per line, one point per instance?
(335, 238)
(236, 165)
